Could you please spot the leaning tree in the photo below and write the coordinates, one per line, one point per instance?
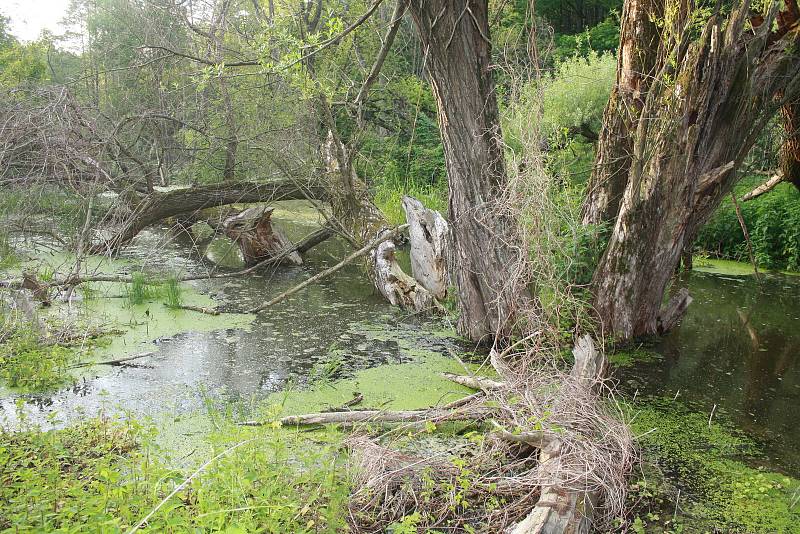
(693, 94)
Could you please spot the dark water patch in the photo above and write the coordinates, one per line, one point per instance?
(737, 352)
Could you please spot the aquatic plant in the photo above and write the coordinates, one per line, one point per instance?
(709, 461)
(172, 293)
(140, 289)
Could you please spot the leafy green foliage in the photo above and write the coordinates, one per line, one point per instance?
(27, 363)
(105, 476)
(773, 221)
(604, 37)
(20, 63)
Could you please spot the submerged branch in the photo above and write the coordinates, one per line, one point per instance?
(360, 252)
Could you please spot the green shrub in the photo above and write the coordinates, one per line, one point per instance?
(26, 362)
(604, 37)
(773, 221)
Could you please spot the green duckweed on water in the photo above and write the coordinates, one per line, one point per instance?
(701, 475)
(110, 473)
(125, 324)
(729, 267)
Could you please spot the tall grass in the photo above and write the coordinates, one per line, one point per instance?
(172, 293)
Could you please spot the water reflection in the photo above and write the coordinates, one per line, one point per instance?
(323, 323)
(737, 348)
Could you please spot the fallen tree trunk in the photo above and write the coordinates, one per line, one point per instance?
(128, 221)
(559, 509)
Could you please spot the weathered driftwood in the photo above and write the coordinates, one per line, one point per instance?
(429, 237)
(767, 186)
(257, 236)
(393, 283)
(198, 309)
(560, 510)
(119, 361)
(474, 382)
(381, 416)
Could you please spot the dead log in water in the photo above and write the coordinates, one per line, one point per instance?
(258, 237)
(127, 220)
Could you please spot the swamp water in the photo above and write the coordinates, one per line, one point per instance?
(330, 330)
(736, 353)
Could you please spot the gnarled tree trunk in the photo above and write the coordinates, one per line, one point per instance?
(703, 113)
(455, 40)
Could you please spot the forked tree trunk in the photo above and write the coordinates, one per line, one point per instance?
(455, 41)
(638, 45)
(704, 112)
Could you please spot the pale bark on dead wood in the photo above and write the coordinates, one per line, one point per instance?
(258, 237)
(560, 510)
(394, 284)
(429, 237)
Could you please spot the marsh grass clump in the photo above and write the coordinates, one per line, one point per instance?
(172, 292)
(8, 256)
(140, 289)
(143, 289)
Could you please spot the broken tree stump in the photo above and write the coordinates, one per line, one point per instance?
(393, 283)
(257, 237)
(429, 236)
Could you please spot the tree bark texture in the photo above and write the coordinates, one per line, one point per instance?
(455, 41)
(708, 102)
(637, 57)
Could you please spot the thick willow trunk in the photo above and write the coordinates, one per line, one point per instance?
(455, 39)
(637, 55)
(704, 112)
(790, 149)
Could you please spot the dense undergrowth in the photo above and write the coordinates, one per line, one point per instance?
(106, 475)
(772, 220)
